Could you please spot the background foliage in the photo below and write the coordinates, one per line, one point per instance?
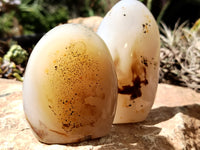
(39, 16)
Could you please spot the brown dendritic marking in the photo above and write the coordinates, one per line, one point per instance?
(144, 61)
(70, 73)
(85, 118)
(135, 90)
(138, 81)
(139, 78)
(50, 107)
(146, 27)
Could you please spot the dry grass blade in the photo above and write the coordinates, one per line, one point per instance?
(180, 56)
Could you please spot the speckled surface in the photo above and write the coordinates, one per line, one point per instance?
(173, 123)
(73, 91)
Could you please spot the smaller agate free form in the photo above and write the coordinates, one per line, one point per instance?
(132, 36)
(70, 86)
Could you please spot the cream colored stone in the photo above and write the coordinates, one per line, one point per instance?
(70, 86)
(132, 36)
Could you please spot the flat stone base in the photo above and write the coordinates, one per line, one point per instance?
(173, 123)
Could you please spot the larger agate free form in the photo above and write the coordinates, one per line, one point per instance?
(70, 86)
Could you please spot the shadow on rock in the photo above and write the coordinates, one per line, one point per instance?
(137, 137)
(161, 114)
(144, 135)
(131, 136)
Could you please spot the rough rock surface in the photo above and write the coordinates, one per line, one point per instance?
(173, 124)
(91, 22)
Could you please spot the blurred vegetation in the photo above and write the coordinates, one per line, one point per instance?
(6, 23)
(26, 21)
(39, 16)
(30, 17)
(180, 55)
(13, 63)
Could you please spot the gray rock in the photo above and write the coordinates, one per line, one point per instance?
(173, 124)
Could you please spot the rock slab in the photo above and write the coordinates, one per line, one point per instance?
(173, 124)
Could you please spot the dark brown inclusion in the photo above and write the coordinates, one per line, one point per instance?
(144, 61)
(135, 90)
